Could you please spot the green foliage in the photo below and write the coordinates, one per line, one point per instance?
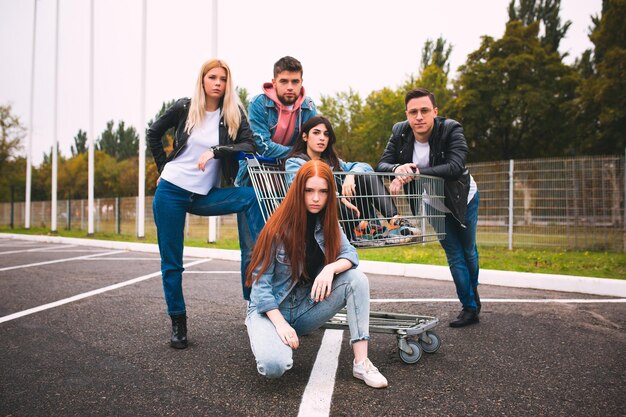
(344, 111)
(547, 13)
(80, 143)
(382, 109)
(601, 106)
(243, 96)
(121, 143)
(12, 167)
(512, 98)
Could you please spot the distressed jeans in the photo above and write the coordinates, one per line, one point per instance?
(350, 289)
(170, 207)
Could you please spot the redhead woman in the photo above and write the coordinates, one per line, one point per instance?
(210, 128)
(302, 273)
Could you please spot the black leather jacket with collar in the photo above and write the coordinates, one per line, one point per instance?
(176, 116)
(448, 152)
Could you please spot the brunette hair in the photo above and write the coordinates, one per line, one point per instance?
(329, 155)
(287, 226)
(231, 104)
(417, 93)
(287, 63)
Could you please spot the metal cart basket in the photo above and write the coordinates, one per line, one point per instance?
(374, 218)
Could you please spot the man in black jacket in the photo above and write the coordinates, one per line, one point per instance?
(435, 146)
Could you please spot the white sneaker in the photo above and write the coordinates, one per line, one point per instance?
(369, 373)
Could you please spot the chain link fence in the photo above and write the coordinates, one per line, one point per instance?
(566, 203)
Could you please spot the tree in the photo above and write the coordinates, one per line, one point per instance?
(80, 143)
(11, 134)
(512, 97)
(382, 109)
(344, 111)
(601, 108)
(243, 96)
(546, 12)
(121, 143)
(434, 70)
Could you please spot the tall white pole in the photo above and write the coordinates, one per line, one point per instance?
(213, 219)
(214, 30)
(141, 203)
(91, 139)
(29, 145)
(55, 133)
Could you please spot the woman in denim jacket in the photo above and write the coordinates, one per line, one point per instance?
(317, 141)
(302, 273)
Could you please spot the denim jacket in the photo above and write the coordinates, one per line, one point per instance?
(293, 164)
(275, 284)
(263, 118)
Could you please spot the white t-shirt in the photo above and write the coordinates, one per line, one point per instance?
(183, 170)
(421, 153)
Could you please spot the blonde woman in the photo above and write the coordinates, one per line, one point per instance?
(210, 128)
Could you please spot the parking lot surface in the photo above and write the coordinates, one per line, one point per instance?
(83, 331)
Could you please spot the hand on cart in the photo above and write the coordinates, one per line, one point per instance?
(395, 187)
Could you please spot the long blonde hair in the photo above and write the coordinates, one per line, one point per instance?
(231, 104)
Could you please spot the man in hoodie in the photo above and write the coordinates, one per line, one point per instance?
(276, 115)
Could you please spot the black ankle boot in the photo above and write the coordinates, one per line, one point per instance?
(466, 318)
(179, 332)
(477, 300)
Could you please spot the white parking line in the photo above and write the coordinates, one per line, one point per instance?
(61, 260)
(123, 259)
(88, 294)
(503, 300)
(51, 248)
(317, 396)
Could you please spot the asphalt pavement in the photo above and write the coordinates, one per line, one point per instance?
(83, 331)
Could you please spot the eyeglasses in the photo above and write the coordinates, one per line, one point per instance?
(414, 112)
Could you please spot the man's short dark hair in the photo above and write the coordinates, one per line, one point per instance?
(287, 63)
(417, 93)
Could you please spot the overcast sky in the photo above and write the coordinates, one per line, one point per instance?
(361, 44)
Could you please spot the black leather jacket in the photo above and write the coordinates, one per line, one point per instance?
(448, 151)
(176, 116)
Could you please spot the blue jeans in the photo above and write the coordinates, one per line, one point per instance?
(350, 289)
(462, 253)
(170, 206)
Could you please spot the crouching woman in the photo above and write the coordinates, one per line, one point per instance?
(302, 273)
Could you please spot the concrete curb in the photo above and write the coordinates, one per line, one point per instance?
(551, 282)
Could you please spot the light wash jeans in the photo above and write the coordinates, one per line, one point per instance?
(170, 206)
(350, 289)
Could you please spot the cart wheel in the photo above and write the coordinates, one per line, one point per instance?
(434, 344)
(411, 358)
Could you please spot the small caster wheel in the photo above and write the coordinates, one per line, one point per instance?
(434, 344)
(415, 356)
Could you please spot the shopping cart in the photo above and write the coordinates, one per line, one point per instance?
(374, 218)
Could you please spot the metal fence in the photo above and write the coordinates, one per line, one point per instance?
(566, 203)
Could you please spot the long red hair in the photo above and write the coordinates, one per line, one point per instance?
(288, 225)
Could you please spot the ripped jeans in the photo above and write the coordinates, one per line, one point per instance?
(350, 289)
